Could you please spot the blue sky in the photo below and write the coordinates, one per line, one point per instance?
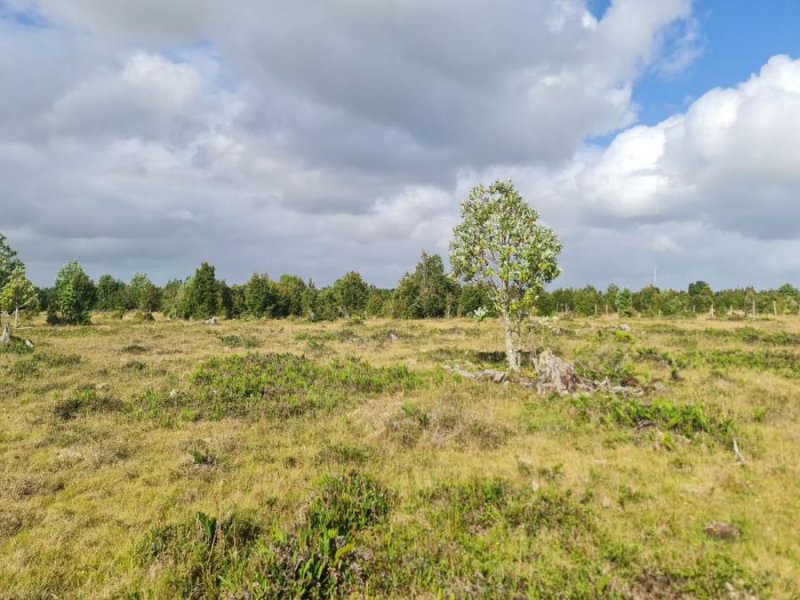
(144, 135)
(736, 37)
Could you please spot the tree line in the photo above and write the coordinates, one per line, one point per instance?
(427, 291)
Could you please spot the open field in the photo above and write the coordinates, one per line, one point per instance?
(282, 458)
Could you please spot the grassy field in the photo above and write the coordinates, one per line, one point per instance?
(277, 458)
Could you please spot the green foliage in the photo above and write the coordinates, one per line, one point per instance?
(172, 298)
(351, 293)
(291, 292)
(280, 385)
(237, 341)
(111, 293)
(15, 346)
(18, 293)
(8, 261)
(782, 362)
(685, 419)
(85, 401)
(315, 557)
(601, 362)
(427, 292)
(260, 296)
(624, 302)
(500, 245)
(201, 296)
(74, 296)
(142, 294)
(200, 557)
(201, 455)
(472, 298)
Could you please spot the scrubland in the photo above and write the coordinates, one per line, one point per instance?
(284, 458)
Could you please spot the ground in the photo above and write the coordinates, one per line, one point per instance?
(287, 458)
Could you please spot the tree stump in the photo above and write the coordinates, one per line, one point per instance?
(554, 374)
(6, 337)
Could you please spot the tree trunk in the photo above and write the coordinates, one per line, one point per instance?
(511, 354)
(5, 338)
(16, 317)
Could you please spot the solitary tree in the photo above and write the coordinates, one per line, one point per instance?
(500, 244)
(18, 294)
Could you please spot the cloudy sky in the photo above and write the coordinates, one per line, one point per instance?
(328, 135)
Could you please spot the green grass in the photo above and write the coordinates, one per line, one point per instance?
(273, 459)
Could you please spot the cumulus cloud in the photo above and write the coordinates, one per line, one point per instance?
(343, 134)
(723, 176)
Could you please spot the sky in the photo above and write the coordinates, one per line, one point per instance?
(660, 140)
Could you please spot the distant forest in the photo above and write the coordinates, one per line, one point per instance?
(426, 292)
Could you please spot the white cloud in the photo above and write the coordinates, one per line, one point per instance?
(712, 190)
(313, 138)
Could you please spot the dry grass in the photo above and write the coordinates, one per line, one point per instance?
(84, 485)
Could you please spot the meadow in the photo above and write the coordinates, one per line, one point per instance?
(283, 458)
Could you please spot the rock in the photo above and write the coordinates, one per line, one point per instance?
(491, 375)
(28, 344)
(624, 327)
(606, 502)
(101, 386)
(720, 530)
(554, 374)
(6, 337)
(461, 372)
(211, 321)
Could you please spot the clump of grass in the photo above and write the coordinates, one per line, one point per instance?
(201, 454)
(344, 454)
(685, 419)
(281, 385)
(84, 402)
(343, 335)
(237, 341)
(43, 360)
(15, 346)
(612, 363)
(134, 365)
(315, 557)
(445, 423)
(134, 349)
(197, 557)
(782, 362)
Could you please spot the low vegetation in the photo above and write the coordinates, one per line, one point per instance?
(273, 459)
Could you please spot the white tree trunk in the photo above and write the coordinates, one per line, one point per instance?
(16, 317)
(511, 354)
